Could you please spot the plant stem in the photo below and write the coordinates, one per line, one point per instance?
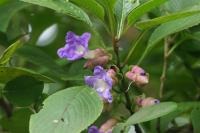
(7, 107)
(163, 76)
(123, 84)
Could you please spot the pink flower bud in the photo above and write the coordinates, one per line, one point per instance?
(149, 101)
(111, 73)
(138, 76)
(108, 125)
(97, 57)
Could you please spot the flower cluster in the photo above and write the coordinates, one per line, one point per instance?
(102, 80)
(76, 47)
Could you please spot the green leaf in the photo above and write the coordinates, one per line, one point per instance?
(42, 59)
(92, 6)
(68, 111)
(109, 5)
(195, 117)
(168, 29)
(7, 11)
(163, 19)
(9, 73)
(5, 57)
(187, 106)
(23, 90)
(19, 122)
(122, 9)
(63, 7)
(151, 112)
(179, 5)
(142, 9)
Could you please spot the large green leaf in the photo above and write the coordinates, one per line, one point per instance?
(168, 29)
(92, 6)
(5, 57)
(142, 9)
(19, 122)
(23, 90)
(122, 9)
(68, 111)
(195, 117)
(63, 7)
(151, 112)
(9, 73)
(153, 22)
(7, 10)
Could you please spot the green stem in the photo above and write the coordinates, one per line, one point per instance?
(175, 46)
(123, 84)
(163, 76)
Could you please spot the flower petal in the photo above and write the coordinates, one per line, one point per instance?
(93, 129)
(62, 52)
(84, 38)
(99, 71)
(70, 37)
(90, 80)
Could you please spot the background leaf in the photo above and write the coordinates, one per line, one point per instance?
(122, 9)
(23, 90)
(92, 6)
(8, 53)
(163, 19)
(9, 73)
(195, 117)
(40, 58)
(7, 10)
(170, 28)
(142, 9)
(63, 7)
(70, 110)
(19, 122)
(151, 112)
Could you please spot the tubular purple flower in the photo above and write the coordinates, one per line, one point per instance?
(76, 46)
(101, 82)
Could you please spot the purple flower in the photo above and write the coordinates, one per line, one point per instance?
(101, 82)
(76, 46)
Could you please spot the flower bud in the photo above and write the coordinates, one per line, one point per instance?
(149, 101)
(111, 73)
(97, 57)
(108, 126)
(138, 76)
